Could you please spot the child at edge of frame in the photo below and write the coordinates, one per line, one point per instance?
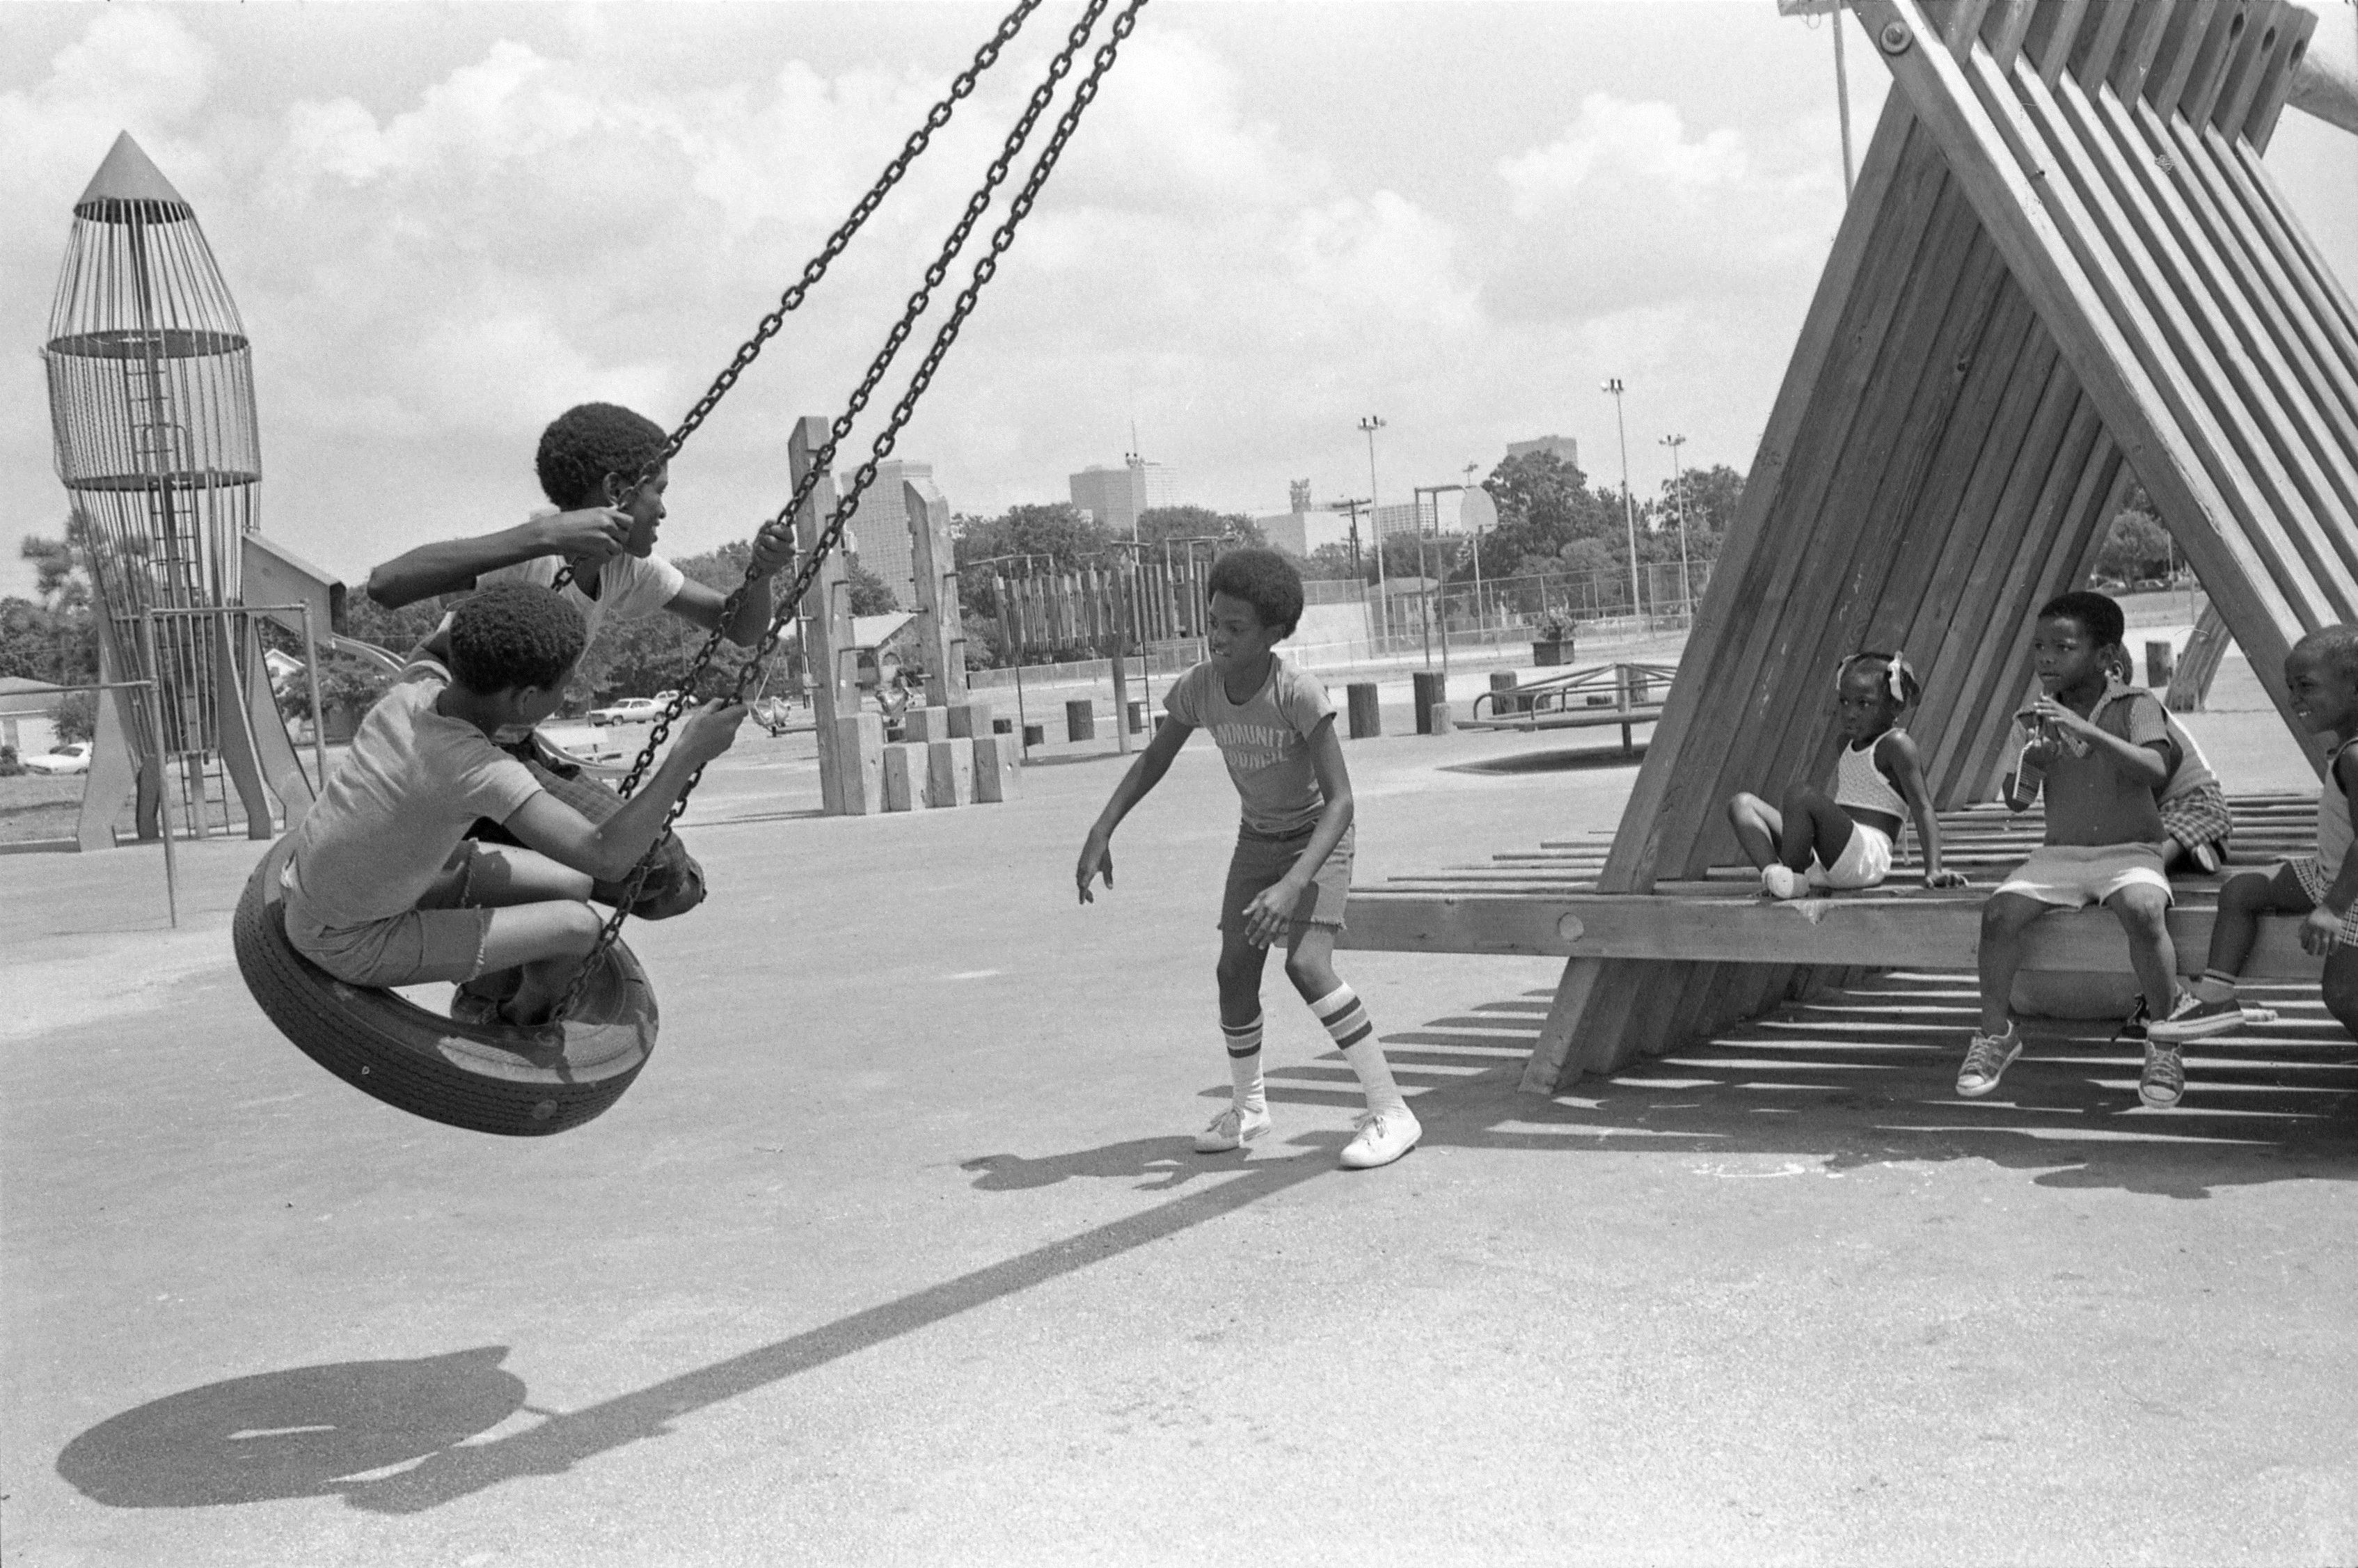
(2105, 752)
(2321, 672)
(1292, 868)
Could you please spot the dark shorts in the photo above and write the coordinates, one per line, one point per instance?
(1261, 861)
(676, 883)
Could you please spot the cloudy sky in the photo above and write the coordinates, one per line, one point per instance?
(444, 224)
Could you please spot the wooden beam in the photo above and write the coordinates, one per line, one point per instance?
(1884, 931)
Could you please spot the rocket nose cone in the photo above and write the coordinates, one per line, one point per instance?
(128, 175)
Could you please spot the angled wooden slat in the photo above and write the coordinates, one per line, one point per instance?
(2181, 48)
(2054, 30)
(2099, 44)
(2318, 290)
(2276, 88)
(2148, 25)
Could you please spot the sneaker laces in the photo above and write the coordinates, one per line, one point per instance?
(1983, 1057)
(2164, 1066)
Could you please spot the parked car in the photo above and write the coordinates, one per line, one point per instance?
(629, 710)
(71, 758)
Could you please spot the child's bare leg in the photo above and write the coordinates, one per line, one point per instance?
(1240, 973)
(2341, 987)
(2004, 919)
(1310, 961)
(2242, 902)
(2144, 912)
(548, 941)
(1814, 827)
(501, 875)
(1758, 827)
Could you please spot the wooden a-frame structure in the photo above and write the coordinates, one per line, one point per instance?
(2063, 265)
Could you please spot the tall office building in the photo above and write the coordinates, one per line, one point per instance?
(882, 526)
(1561, 447)
(1114, 497)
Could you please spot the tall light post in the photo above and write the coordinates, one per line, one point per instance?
(1481, 606)
(1679, 488)
(1369, 425)
(1629, 510)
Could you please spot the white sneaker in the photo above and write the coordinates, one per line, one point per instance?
(1384, 1135)
(1232, 1129)
(1782, 882)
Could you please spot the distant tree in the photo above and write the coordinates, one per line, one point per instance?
(77, 716)
(2136, 546)
(1711, 496)
(1159, 523)
(1333, 563)
(870, 594)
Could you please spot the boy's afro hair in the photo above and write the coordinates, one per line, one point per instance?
(1262, 578)
(589, 442)
(514, 634)
(2099, 617)
(2336, 646)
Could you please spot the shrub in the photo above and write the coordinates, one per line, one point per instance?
(76, 718)
(9, 766)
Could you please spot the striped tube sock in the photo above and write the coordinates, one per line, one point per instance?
(1244, 1064)
(1345, 1019)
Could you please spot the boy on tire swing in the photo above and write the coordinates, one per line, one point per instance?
(588, 464)
(384, 888)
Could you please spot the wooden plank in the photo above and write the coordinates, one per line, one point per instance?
(2035, 228)
(1890, 932)
(2276, 88)
(1905, 396)
(2181, 46)
(2053, 31)
(2257, 50)
(2099, 44)
(1892, 207)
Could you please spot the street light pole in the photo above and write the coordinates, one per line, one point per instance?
(1369, 425)
(1481, 608)
(1442, 594)
(1679, 488)
(1629, 510)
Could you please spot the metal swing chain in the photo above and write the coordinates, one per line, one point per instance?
(918, 303)
(961, 87)
(985, 269)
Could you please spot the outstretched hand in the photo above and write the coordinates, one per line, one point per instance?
(595, 534)
(2320, 932)
(710, 731)
(1945, 880)
(1096, 857)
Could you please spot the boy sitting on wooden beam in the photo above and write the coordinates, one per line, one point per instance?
(2105, 753)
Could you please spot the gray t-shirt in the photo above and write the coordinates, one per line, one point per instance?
(405, 794)
(1265, 740)
(628, 587)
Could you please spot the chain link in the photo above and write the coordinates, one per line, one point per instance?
(808, 570)
(961, 87)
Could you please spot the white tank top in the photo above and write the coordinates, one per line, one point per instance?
(1859, 783)
(2333, 818)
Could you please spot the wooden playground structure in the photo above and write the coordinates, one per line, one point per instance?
(2063, 267)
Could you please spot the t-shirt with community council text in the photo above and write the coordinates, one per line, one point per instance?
(2089, 800)
(628, 587)
(1265, 740)
(406, 791)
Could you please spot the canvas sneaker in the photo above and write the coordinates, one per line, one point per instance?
(2194, 1019)
(2164, 1081)
(1232, 1129)
(1383, 1137)
(1986, 1060)
(1781, 882)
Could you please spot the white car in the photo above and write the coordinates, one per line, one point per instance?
(74, 758)
(630, 711)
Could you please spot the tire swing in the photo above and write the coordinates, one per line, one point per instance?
(526, 1082)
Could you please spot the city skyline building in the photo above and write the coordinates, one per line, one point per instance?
(882, 527)
(1563, 447)
(1115, 497)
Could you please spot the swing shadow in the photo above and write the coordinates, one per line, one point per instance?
(1853, 1080)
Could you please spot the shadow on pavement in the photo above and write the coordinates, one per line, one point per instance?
(1853, 1080)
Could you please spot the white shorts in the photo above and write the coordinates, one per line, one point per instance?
(1865, 860)
(2076, 875)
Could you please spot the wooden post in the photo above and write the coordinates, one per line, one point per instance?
(850, 743)
(2158, 663)
(941, 634)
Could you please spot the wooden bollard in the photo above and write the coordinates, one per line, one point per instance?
(922, 725)
(998, 767)
(1136, 717)
(1035, 734)
(1432, 692)
(905, 776)
(969, 719)
(2161, 663)
(949, 773)
(1081, 719)
(1367, 712)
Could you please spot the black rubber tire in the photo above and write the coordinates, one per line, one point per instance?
(519, 1083)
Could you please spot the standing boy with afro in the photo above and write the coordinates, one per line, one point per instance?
(386, 889)
(604, 529)
(1292, 868)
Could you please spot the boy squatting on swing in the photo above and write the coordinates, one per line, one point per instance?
(1292, 868)
(589, 460)
(386, 889)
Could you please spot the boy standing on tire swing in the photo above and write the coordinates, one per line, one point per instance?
(1292, 868)
(588, 464)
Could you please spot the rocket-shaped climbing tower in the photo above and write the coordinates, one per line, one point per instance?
(151, 402)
